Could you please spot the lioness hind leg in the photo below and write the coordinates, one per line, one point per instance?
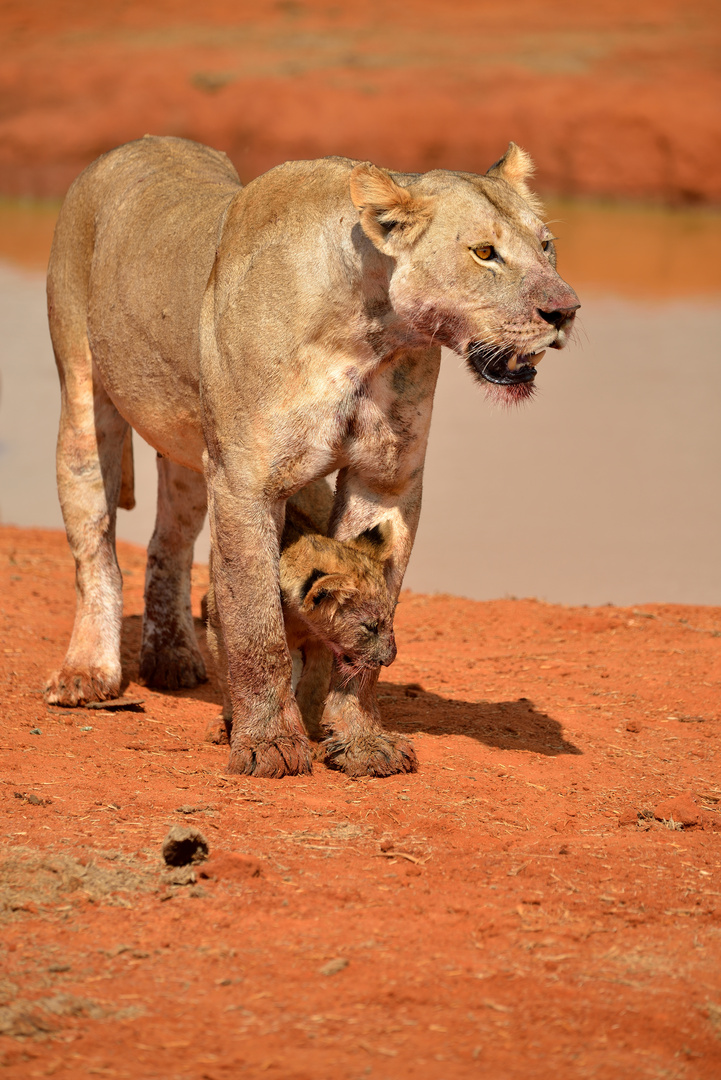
(89, 455)
(169, 653)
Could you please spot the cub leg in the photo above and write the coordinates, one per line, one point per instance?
(89, 455)
(313, 685)
(169, 653)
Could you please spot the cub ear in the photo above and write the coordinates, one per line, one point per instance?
(376, 541)
(327, 588)
(391, 216)
(515, 167)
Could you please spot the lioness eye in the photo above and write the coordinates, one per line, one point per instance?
(484, 253)
(371, 627)
(544, 244)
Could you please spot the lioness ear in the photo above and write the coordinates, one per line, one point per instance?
(328, 588)
(515, 167)
(376, 541)
(390, 215)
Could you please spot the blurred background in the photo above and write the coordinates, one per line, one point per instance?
(606, 488)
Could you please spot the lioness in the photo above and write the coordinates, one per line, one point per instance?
(260, 337)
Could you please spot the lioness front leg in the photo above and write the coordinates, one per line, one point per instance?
(358, 744)
(248, 633)
(356, 740)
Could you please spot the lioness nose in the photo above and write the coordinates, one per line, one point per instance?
(558, 316)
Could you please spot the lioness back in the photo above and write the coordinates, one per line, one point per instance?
(137, 234)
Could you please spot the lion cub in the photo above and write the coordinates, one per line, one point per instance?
(335, 603)
(335, 600)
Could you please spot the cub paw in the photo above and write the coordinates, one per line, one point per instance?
(376, 754)
(71, 686)
(287, 755)
(170, 668)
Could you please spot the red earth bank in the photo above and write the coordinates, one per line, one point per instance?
(611, 98)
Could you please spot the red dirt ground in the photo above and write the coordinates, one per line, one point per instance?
(611, 98)
(540, 900)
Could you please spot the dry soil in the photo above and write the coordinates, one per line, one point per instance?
(540, 900)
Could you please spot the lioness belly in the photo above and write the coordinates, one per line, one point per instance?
(155, 243)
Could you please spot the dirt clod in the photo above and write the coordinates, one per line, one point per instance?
(184, 845)
(682, 809)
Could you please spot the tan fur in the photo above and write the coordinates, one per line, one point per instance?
(515, 168)
(260, 338)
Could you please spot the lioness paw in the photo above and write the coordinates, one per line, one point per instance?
(288, 755)
(172, 668)
(70, 686)
(374, 755)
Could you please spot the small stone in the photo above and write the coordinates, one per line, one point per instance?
(333, 966)
(386, 845)
(35, 731)
(682, 809)
(629, 816)
(633, 726)
(34, 799)
(184, 845)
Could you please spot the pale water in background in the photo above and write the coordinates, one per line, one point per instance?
(606, 487)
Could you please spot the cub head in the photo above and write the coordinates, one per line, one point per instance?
(473, 265)
(337, 590)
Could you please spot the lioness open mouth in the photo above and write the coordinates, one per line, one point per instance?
(505, 367)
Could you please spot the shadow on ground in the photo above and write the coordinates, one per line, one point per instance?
(508, 725)
(130, 654)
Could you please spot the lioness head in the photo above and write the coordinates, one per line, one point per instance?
(474, 266)
(337, 589)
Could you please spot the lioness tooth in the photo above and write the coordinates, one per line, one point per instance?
(512, 363)
(535, 360)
